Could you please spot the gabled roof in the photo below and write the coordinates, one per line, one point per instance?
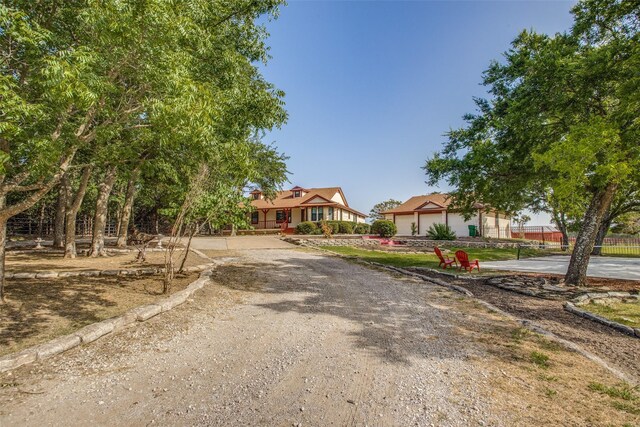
(420, 203)
(285, 199)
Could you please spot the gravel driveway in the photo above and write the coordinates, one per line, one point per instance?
(288, 337)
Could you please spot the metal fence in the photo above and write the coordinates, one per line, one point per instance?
(550, 238)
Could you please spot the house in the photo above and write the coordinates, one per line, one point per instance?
(291, 207)
(424, 211)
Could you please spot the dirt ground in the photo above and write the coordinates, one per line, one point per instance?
(39, 310)
(618, 349)
(286, 337)
(34, 261)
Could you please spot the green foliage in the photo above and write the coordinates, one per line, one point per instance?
(346, 227)
(440, 231)
(376, 214)
(384, 228)
(335, 226)
(540, 359)
(559, 131)
(623, 391)
(414, 229)
(306, 227)
(362, 228)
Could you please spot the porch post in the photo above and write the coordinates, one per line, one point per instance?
(264, 211)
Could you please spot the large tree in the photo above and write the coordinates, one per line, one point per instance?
(378, 208)
(561, 119)
(177, 80)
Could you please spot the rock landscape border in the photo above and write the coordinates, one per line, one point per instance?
(574, 307)
(97, 330)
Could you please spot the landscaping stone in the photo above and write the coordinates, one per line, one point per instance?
(175, 300)
(47, 275)
(90, 273)
(93, 332)
(110, 272)
(12, 361)
(124, 320)
(64, 274)
(146, 312)
(57, 345)
(24, 275)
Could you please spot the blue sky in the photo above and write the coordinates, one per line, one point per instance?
(372, 86)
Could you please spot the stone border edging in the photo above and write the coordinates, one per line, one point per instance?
(114, 272)
(532, 326)
(573, 307)
(97, 330)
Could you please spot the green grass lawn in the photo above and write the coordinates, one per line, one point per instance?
(430, 259)
(627, 313)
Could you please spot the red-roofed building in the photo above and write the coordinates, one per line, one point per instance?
(291, 207)
(429, 209)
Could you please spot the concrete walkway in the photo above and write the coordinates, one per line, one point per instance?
(607, 267)
(239, 242)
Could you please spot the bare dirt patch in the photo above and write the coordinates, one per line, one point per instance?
(34, 261)
(39, 310)
(618, 349)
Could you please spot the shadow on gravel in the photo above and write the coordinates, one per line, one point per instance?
(396, 321)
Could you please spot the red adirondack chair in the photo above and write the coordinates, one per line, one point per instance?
(444, 262)
(464, 261)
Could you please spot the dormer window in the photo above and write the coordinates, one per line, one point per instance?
(256, 196)
(296, 193)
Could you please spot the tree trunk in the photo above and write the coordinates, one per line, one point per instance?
(127, 209)
(100, 218)
(3, 247)
(58, 224)
(71, 212)
(194, 229)
(602, 233)
(600, 203)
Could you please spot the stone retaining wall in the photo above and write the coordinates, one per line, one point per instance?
(602, 298)
(123, 272)
(357, 241)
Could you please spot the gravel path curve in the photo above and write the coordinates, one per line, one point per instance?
(284, 337)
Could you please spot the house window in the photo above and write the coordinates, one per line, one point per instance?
(317, 214)
(330, 213)
(296, 193)
(254, 217)
(280, 217)
(256, 196)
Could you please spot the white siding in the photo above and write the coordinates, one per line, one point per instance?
(338, 198)
(317, 200)
(459, 225)
(403, 222)
(427, 220)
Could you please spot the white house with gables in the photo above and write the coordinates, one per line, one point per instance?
(291, 207)
(426, 210)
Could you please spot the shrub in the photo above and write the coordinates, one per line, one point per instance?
(414, 229)
(306, 227)
(362, 228)
(335, 226)
(441, 232)
(384, 228)
(346, 227)
(327, 230)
